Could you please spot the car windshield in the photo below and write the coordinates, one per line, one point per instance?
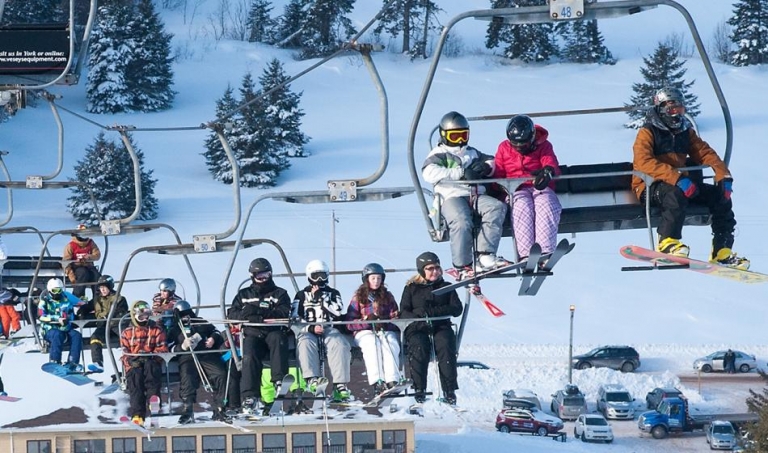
(618, 397)
(593, 352)
(596, 421)
(573, 401)
(722, 429)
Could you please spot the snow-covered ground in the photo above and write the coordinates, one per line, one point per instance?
(670, 317)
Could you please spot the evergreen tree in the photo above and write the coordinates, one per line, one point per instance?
(33, 12)
(758, 403)
(750, 32)
(215, 157)
(317, 27)
(584, 43)
(109, 55)
(282, 115)
(406, 18)
(662, 69)
(526, 42)
(107, 169)
(150, 74)
(261, 26)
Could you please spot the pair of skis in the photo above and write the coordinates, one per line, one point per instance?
(534, 271)
(154, 410)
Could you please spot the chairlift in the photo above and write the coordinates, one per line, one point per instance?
(595, 197)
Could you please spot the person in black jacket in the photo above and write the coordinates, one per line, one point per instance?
(261, 301)
(197, 335)
(424, 337)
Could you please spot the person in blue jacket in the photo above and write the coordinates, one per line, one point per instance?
(56, 310)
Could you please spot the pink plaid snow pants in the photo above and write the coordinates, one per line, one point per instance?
(535, 217)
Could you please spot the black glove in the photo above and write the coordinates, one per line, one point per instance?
(480, 167)
(543, 177)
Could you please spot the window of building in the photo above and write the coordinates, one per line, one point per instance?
(154, 445)
(363, 440)
(244, 443)
(184, 444)
(214, 444)
(394, 440)
(337, 444)
(273, 443)
(91, 446)
(304, 442)
(38, 446)
(124, 445)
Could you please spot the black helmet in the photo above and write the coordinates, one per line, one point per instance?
(182, 309)
(259, 265)
(424, 260)
(167, 284)
(669, 103)
(521, 133)
(454, 129)
(106, 280)
(373, 268)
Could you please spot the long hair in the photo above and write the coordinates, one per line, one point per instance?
(365, 296)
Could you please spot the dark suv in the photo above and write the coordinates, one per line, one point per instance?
(624, 358)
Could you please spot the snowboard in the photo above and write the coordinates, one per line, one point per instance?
(154, 410)
(277, 405)
(127, 421)
(663, 260)
(10, 399)
(77, 378)
(530, 288)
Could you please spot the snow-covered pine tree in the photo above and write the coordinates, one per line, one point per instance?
(110, 53)
(261, 26)
(526, 42)
(584, 43)
(150, 74)
(107, 168)
(317, 27)
(215, 158)
(282, 117)
(259, 155)
(750, 32)
(662, 69)
(33, 12)
(405, 18)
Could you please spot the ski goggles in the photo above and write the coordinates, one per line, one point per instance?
(142, 312)
(673, 108)
(262, 276)
(318, 276)
(457, 136)
(433, 268)
(55, 290)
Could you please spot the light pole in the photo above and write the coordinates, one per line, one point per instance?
(570, 348)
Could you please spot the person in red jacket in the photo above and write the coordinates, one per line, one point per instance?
(82, 272)
(536, 210)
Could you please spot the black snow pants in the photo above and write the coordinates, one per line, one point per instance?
(420, 352)
(143, 381)
(214, 370)
(255, 349)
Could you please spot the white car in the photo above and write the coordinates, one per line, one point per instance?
(721, 435)
(593, 427)
(714, 362)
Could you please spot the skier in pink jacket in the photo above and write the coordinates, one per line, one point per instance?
(535, 208)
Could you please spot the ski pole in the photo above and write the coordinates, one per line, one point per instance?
(203, 378)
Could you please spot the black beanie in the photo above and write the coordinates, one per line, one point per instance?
(424, 260)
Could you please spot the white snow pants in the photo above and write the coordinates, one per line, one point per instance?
(381, 354)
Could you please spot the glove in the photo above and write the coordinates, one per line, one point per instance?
(480, 167)
(726, 186)
(186, 345)
(543, 177)
(688, 187)
(194, 340)
(470, 175)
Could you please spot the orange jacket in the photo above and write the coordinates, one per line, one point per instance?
(662, 164)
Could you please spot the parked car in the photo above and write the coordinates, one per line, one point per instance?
(714, 362)
(624, 358)
(721, 435)
(527, 421)
(518, 397)
(654, 397)
(473, 365)
(614, 401)
(592, 427)
(568, 403)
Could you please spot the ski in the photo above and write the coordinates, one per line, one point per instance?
(9, 399)
(111, 388)
(664, 261)
(495, 311)
(285, 387)
(221, 422)
(531, 266)
(477, 277)
(388, 394)
(454, 407)
(154, 411)
(127, 421)
(320, 394)
(563, 248)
